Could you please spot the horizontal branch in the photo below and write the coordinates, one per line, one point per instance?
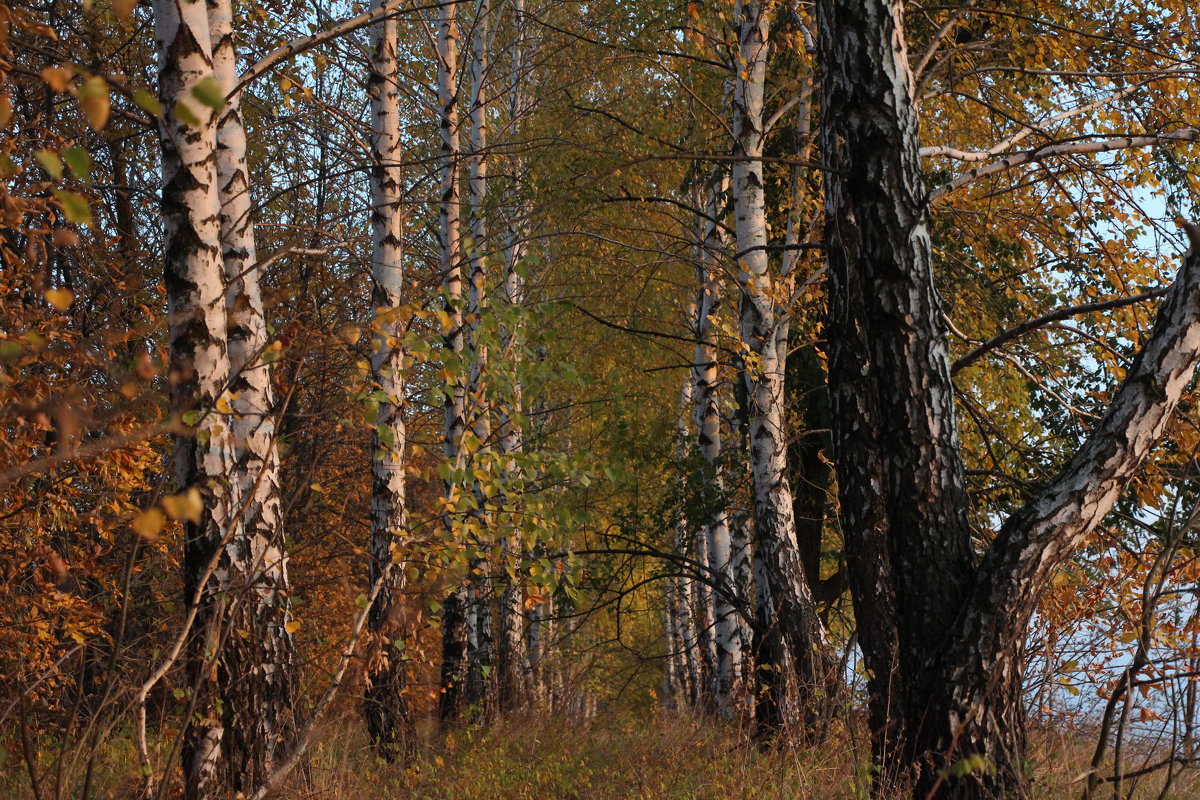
(1070, 148)
(297, 46)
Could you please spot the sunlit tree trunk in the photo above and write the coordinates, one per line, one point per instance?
(786, 615)
(199, 360)
(385, 704)
(258, 661)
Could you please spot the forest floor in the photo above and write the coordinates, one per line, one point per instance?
(614, 757)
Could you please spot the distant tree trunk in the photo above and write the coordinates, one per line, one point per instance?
(258, 661)
(726, 636)
(684, 590)
(385, 705)
(199, 360)
(786, 614)
(516, 656)
(457, 609)
(481, 654)
(942, 640)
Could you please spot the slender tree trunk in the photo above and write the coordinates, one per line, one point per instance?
(258, 662)
(944, 642)
(516, 648)
(456, 627)
(385, 705)
(785, 609)
(199, 365)
(727, 647)
(481, 652)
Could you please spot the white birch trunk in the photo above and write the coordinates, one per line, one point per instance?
(481, 653)
(258, 679)
(386, 706)
(199, 361)
(785, 606)
(727, 633)
(456, 630)
(519, 656)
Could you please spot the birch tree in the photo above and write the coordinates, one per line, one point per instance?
(199, 368)
(785, 611)
(481, 649)
(386, 706)
(943, 639)
(456, 611)
(728, 632)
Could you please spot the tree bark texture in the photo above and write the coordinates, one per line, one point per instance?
(199, 360)
(258, 661)
(457, 610)
(786, 615)
(943, 641)
(385, 704)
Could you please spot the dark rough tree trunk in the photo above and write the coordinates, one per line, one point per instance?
(943, 641)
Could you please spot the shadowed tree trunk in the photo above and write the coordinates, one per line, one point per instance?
(385, 705)
(456, 626)
(943, 641)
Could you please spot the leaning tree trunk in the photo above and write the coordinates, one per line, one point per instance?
(944, 642)
(786, 615)
(199, 361)
(257, 673)
(385, 705)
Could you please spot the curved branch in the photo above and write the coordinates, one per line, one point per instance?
(1054, 316)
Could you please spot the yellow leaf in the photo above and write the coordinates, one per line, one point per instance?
(93, 99)
(61, 299)
(149, 523)
(123, 8)
(292, 626)
(223, 404)
(189, 505)
(57, 78)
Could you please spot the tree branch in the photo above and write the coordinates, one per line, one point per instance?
(1068, 148)
(1054, 316)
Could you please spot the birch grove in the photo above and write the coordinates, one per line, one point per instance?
(510, 398)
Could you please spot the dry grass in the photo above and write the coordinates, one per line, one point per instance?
(617, 757)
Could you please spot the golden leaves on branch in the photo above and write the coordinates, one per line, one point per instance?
(186, 506)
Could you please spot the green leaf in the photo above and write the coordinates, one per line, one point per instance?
(184, 113)
(51, 163)
(80, 162)
(147, 102)
(75, 207)
(209, 92)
